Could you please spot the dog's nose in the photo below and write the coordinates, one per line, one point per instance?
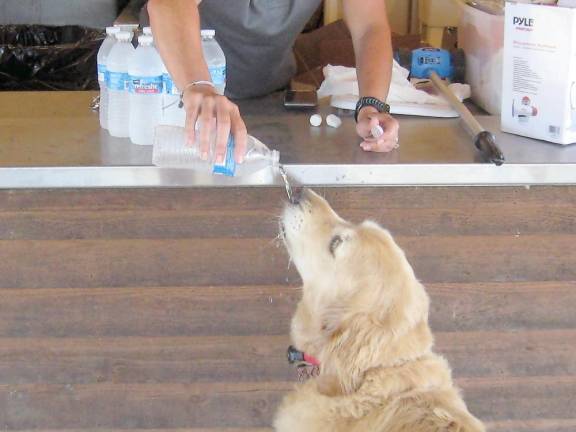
(297, 195)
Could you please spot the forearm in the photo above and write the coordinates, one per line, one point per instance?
(176, 28)
(371, 37)
(373, 49)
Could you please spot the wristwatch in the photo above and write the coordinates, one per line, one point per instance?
(381, 107)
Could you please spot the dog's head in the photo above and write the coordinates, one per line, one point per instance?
(358, 284)
(336, 258)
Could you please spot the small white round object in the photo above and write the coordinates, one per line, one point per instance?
(377, 131)
(333, 120)
(316, 120)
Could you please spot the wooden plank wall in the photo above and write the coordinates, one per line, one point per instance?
(169, 309)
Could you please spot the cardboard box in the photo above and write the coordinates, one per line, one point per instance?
(481, 36)
(539, 72)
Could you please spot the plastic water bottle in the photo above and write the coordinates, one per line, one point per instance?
(117, 83)
(215, 59)
(145, 72)
(102, 57)
(172, 114)
(170, 151)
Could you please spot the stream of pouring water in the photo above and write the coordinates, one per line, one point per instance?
(286, 183)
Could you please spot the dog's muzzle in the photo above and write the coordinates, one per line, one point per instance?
(297, 195)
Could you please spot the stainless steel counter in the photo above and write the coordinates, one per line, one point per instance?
(52, 139)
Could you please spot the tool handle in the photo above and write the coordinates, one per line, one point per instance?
(484, 141)
(469, 120)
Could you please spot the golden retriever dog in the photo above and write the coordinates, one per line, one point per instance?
(364, 316)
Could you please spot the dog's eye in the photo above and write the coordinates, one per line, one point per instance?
(334, 243)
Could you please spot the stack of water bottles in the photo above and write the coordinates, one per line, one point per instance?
(139, 100)
(136, 91)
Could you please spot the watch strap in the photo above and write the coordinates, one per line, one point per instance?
(381, 107)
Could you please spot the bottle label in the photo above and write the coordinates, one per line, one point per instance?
(169, 87)
(218, 75)
(117, 80)
(228, 166)
(146, 85)
(101, 72)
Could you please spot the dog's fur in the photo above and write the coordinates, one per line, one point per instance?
(364, 316)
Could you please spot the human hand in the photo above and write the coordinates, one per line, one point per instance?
(368, 119)
(217, 116)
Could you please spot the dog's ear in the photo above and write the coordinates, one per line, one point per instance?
(354, 348)
(331, 318)
(365, 341)
(340, 358)
(341, 367)
(339, 375)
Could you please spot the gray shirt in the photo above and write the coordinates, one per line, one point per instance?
(257, 38)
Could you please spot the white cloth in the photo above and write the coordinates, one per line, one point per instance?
(341, 84)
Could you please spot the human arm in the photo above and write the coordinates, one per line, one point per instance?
(367, 21)
(176, 28)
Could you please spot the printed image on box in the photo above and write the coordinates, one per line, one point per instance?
(523, 110)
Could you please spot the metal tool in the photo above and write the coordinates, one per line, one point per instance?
(435, 64)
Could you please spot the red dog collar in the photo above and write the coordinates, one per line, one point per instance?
(295, 356)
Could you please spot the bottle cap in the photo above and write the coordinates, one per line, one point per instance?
(145, 40)
(124, 36)
(127, 27)
(112, 30)
(147, 31)
(208, 33)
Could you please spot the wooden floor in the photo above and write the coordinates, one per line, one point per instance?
(169, 309)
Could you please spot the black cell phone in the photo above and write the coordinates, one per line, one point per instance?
(300, 99)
